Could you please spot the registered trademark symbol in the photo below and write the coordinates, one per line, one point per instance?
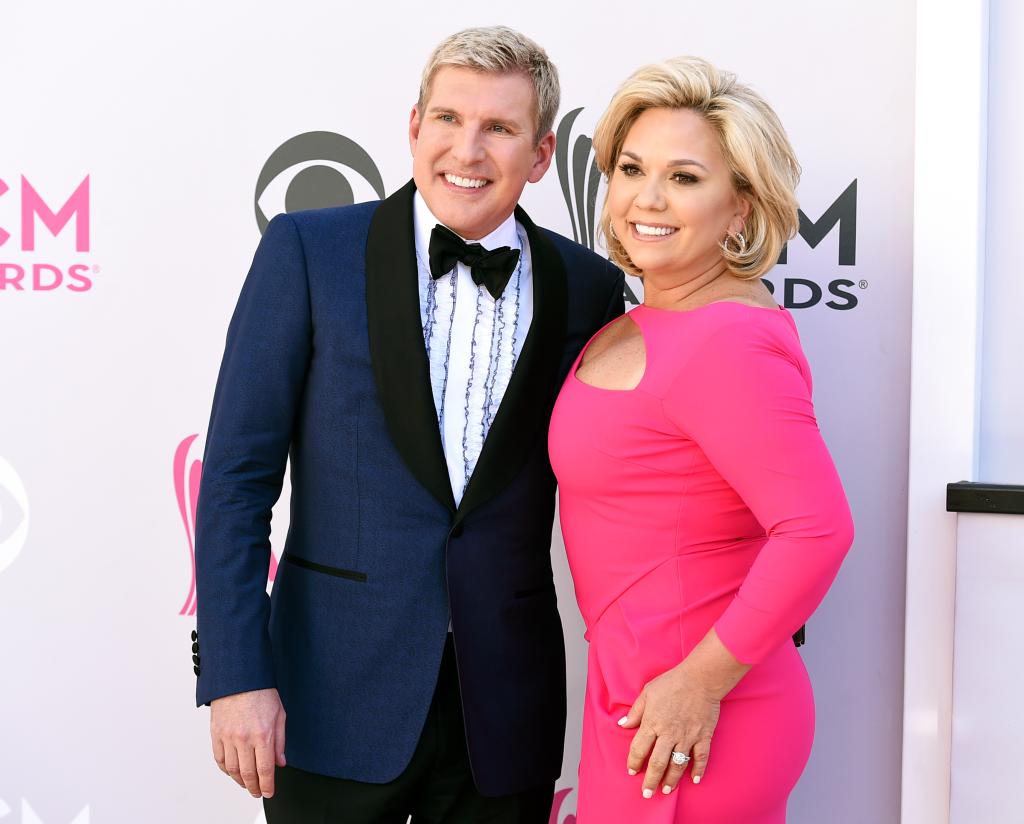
(96, 270)
(863, 284)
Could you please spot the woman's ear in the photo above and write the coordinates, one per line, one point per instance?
(739, 218)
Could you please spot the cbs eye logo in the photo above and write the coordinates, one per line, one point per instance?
(13, 514)
(305, 172)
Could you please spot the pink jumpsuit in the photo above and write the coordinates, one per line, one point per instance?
(703, 497)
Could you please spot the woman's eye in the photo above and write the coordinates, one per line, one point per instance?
(680, 177)
(629, 169)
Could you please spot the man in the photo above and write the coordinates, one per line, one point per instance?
(406, 355)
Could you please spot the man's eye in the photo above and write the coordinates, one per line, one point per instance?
(447, 118)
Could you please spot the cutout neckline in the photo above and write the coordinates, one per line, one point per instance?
(579, 361)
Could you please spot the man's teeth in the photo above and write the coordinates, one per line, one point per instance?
(465, 182)
(653, 230)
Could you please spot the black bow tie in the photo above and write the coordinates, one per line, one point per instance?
(491, 268)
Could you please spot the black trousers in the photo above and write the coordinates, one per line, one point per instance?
(436, 788)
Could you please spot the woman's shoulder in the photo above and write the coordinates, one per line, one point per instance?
(718, 338)
(724, 320)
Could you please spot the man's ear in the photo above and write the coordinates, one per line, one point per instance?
(414, 128)
(542, 160)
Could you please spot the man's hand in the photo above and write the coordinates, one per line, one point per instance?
(247, 730)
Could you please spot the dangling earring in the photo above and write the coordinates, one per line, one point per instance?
(611, 230)
(741, 244)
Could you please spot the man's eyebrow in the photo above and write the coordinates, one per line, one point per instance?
(680, 162)
(490, 118)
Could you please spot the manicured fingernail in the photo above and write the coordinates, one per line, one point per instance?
(631, 771)
(622, 720)
(648, 793)
(696, 779)
(666, 789)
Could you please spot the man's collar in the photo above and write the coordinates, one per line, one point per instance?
(424, 222)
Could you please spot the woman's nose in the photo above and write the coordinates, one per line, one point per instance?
(651, 196)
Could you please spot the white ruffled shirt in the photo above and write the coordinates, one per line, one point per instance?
(473, 342)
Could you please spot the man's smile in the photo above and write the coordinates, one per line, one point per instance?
(465, 182)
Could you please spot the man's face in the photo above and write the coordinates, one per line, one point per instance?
(473, 148)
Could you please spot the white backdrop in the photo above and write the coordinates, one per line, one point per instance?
(112, 342)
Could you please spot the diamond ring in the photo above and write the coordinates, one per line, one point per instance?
(679, 758)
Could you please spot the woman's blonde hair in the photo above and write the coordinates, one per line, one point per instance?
(762, 162)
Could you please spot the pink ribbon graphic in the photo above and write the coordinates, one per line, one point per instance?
(187, 509)
(186, 489)
(556, 808)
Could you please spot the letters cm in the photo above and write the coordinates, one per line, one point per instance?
(33, 206)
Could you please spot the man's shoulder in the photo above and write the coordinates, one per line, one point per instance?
(579, 260)
(354, 217)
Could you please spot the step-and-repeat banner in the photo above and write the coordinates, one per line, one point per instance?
(142, 151)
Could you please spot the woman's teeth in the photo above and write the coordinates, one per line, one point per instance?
(641, 229)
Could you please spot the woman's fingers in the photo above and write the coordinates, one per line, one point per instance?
(675, 769)
(658, 763)
(639, 749)
(632, 718)
(669, 717)
(701, 754)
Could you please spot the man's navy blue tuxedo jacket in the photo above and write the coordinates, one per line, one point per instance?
(325, 363)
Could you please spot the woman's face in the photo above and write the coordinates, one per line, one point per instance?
(670, 197)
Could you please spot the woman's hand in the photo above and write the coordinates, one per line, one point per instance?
(678, 711)
(674, 713)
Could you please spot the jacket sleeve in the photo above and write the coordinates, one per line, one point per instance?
(745, 399)
(261, 380)
(616, 301)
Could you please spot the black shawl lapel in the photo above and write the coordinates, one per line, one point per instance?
(526, 407)
(400, 364)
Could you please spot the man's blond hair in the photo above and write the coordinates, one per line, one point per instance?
(499, 50)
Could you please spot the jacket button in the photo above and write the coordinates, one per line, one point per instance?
(195, 670)
(195, 636)
(195, 660)
(195, 648)
(457, 531)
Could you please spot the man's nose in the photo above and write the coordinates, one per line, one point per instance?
(468, 147)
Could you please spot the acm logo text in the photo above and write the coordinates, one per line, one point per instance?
(26, 268)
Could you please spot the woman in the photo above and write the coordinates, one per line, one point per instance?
(702, 515)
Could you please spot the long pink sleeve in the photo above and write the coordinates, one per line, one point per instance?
(744, 397)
